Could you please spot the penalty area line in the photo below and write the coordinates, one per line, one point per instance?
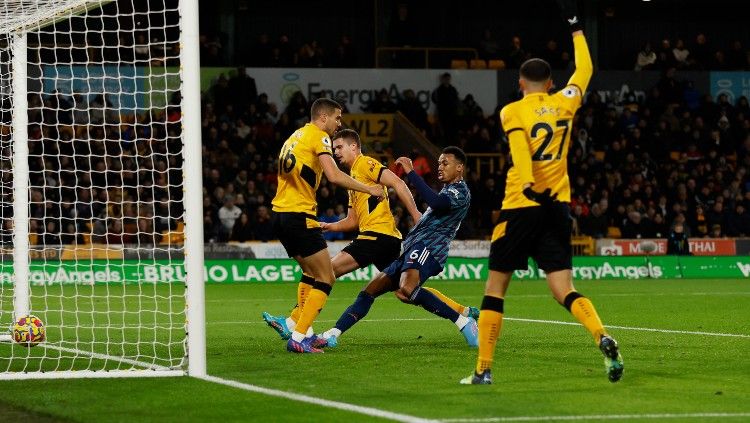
(368, 411)
(654, 416)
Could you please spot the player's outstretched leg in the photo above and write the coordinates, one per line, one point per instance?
(467, 311)
(353, 314)
(583, 310)
(434, 305)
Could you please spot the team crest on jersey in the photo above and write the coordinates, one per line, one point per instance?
(371, 164)
(326, 141)
(570, 91)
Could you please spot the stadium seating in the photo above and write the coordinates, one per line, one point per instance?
(459, 64)
(478, 64)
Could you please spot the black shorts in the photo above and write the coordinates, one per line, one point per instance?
(374, 248)
(298, 233)
(542, 233)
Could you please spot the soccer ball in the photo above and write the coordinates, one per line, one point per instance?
(29, 331)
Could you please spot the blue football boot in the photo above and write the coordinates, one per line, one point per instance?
(471, 333)
(278, 324)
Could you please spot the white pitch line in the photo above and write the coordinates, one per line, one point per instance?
(682, 332)
(597, 417)
(624, 294)
(516, 319)
(145, 364)
(368, 411)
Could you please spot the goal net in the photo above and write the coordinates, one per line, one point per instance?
(99, 181)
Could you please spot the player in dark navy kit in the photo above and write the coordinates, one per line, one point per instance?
(425, 250)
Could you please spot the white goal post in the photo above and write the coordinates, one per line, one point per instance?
(101, 222)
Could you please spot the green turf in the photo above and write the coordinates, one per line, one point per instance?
(404, 360)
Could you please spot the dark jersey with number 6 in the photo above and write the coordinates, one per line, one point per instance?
(546, 120)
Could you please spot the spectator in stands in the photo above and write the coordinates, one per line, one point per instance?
(516, 53)
(211, 54)
(402, 30)
(681, 54)
(261, 52)
(665, 55)
(470, 113)
(738, 223)
(311, 55)
(421, 164)
(446, 99)
(646, 59)
(228, 215)
(489, 48)
(701, 52)
(410, 106)
(382, 103)
(595, 224)
(677, 242)
(243, 88)
(243, 229)
(736, 56)
(346, 53)
(146, 234)
(297, 110)
(552, 54)
(262, 228)
(285, 52)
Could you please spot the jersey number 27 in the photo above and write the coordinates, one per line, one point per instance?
(540, 154)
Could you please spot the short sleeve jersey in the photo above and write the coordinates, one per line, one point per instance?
(300, 171)
(373, 215)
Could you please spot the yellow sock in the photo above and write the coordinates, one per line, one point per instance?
(316, 299)
(584, 311)
(490, 325)
(303, 290)
(451, 303)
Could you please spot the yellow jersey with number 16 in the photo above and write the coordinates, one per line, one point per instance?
(300, 171)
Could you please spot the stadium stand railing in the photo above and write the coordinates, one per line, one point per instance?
(384, 55)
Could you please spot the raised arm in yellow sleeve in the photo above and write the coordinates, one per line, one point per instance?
(584, 66)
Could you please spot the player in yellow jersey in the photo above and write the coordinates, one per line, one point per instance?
(303, 159)
(535, 216)
(378, 241)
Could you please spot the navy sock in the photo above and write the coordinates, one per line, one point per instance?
(433, 304)
(356, 312)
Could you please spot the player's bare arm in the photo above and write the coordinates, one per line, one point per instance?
(337, 177)
(348, 224)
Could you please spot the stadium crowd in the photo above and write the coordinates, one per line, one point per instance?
(280, 50)
(636, 168)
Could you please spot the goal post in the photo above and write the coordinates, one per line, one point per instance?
(101, 226)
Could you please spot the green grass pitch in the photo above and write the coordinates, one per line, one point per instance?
(403, 360)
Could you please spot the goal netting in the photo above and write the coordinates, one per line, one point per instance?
(99, 181)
